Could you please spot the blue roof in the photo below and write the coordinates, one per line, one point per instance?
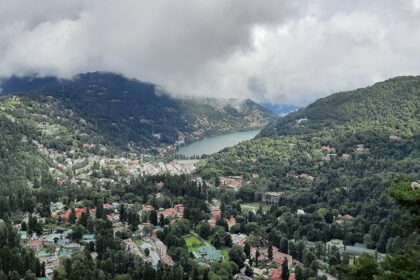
(155, 257)
(50, 237)
(63, 242)
(207, 253)
(65, 252)
(23, 234)
(357, 250)
(145, 246)
(88, 237)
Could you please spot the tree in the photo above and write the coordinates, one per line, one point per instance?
(100, 212)
(237, 256)
(365, 268)
(285, 270)
(257, 255)
(123, 213)
(284, 245)
(203, 229)
(247, 250)
(72, 216)
(153, 217)
(270, 251)
(248, 271)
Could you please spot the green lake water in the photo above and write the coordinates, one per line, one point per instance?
(214, 144)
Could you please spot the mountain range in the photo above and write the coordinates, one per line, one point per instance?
(126, 113)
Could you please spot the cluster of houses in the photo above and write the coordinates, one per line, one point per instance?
(234, 182)
(267, 268)
(51, 247)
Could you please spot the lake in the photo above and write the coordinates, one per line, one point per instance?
(214, 144)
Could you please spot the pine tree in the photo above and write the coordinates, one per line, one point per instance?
(72, 216)
(285, 270)
(270, 251)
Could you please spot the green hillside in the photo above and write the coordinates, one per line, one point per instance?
(129, 113)
(342, 160)
(389, 106)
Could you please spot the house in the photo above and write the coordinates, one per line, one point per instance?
(272, 197)
(175, 212)
(23, 235)
(52, 239)
(88, 238)
(279, 257)
(154, 259)
(415, 186)
(300, 212)
(360, 148)
(306, 177)
(231, 181)
(345, 156)
(357, 250)
(344, 219)
(338, 243)
(239, 239)
(148, 208)
(207, 254)
(327, 149)
(34, 244)
(78, 212)
(302, 120)
(231, 221)
(330, 156)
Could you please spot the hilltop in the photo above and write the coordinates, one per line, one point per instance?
(392, 105)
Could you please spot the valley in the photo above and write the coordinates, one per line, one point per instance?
(311, 194)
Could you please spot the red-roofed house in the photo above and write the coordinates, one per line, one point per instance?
(78, 212)
(276, 274)
(216, 214)
(278, 257)
(148, 208)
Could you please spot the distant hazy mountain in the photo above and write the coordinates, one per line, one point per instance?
(281, 109)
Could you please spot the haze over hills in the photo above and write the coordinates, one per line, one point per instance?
(129, 113)
(281, 109)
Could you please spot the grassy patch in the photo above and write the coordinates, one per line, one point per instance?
(225, 253)
(193, 242)
(253, 206)
(322, 211)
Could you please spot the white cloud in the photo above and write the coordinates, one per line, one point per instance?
(283, 51)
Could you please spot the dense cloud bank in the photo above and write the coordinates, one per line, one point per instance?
(281, 51)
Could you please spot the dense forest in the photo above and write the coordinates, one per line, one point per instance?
(338, 156)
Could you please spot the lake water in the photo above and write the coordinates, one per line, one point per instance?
(214, 144)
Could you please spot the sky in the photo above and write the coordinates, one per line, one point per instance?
(288, 51)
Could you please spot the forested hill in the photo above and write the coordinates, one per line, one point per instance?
(392, 106)
(126, 111)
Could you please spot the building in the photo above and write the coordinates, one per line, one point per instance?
(231, 181)
(272, 197)
(239, 239)
(207, 254)
(338, 243)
